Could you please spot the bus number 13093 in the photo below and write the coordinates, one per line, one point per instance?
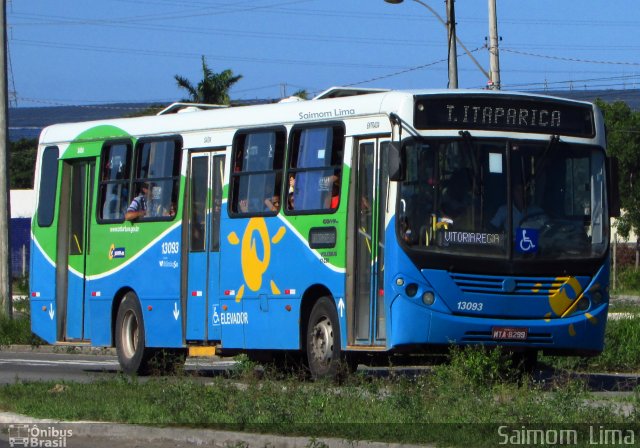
(170, 247)
(470, 306)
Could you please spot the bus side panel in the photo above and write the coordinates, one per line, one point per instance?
(44, 314)
(156, 277)
(99, 310)
(410, 319)
(268, 266)
(152, 273)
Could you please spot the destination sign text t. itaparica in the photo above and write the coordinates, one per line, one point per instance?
(509, 113)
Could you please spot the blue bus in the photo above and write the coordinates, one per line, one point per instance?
(359, 225)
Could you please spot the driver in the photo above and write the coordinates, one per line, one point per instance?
(520, 210)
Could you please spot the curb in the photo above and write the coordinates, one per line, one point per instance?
(60, 349)
(198, 437)
(625, 298)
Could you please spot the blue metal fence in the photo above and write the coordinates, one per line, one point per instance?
(20, 236)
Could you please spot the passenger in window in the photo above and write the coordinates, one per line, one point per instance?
(332, 200)
(138, 207)
(292, 183)
(273, 204)
(171, 211)
(335, 194)
(405, 231)
(237, 166)
(290, 201)
(243, 206)
(157, 206)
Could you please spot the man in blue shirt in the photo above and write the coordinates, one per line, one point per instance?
(138, 207)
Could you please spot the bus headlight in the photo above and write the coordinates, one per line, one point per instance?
(411, 290)
(428, 298)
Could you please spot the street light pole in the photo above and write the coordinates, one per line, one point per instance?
(453, 53)
(494, 58)
(453, 37)
(6, 299)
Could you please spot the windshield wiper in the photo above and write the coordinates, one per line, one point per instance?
(553, 141)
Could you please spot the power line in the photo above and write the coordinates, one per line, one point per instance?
(257, 34)
(567, 59)
(401, 72)
(547, 83)
(119, 50)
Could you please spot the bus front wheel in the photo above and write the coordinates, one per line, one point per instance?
(323, 339)
(130, 341)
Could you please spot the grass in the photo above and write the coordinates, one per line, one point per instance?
(17, 331)
(628, 281)
(621, 352)
(458, 404)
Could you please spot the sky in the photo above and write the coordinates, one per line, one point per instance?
(91, 52)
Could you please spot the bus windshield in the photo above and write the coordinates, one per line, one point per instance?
(500, 198)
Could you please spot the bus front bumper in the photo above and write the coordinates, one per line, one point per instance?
(413, 324)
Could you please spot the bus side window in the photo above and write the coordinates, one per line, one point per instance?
(114, 181)
(48, 186)
(256, 178)
(158, 166)
(315, 168)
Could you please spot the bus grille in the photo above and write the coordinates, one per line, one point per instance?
(530, 286)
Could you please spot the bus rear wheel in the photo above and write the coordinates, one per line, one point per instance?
(130, 341)
(323, 339)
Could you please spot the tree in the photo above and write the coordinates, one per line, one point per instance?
(302, 93)
(212, 89)
(22, 162)
(623, 142)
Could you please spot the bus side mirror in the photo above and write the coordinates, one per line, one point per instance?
(396, 162)
(613, 195)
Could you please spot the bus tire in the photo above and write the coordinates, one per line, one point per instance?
(323, 339)
(133, 355)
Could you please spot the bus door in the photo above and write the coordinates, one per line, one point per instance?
(203, 271)
(370, 200)
(73, 248)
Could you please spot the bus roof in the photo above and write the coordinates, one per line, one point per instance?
(334, 104)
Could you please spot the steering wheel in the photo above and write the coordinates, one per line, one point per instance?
(540, 219)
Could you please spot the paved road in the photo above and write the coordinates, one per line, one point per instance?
(37, 365)
(24, 364)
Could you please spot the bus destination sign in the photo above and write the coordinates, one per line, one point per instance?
(503, 113)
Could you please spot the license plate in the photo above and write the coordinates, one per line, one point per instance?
(512, 333)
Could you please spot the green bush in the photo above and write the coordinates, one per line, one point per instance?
(629, 279)
(17, 331)
(621, 351)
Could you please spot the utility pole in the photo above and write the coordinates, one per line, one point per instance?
(5, 251)
(453, 53)
(494, 58)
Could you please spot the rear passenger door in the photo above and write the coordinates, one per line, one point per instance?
(203, 271)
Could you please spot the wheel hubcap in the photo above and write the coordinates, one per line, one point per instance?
(322, 340)
(130, 334)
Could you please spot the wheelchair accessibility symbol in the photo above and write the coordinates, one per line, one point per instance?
(526, 240)
(215, 317)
